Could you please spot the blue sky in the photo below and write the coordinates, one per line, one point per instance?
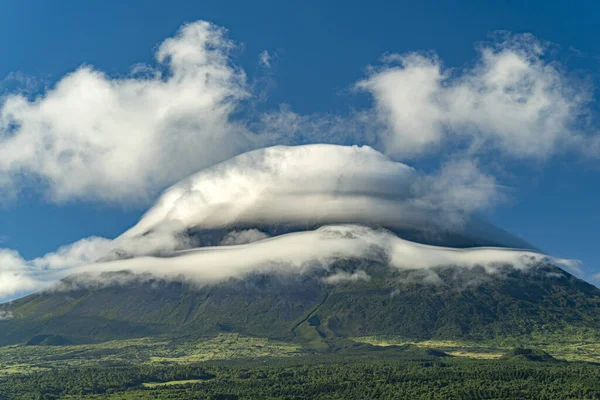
(319, 50)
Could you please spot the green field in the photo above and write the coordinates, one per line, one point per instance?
(234, 366)
(569, 344)
(171, 383)
(25, 359)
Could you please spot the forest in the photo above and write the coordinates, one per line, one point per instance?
(365, 376)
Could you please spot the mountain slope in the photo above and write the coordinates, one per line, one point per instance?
(441, 303)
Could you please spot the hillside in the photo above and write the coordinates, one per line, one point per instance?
(442, 303)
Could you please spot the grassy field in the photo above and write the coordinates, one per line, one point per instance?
(234, 366)
(22, 359)
(227, 346)
(170, 383)
(568, 345)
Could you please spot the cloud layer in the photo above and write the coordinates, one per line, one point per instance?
(286, 254)
(319, 184)
(305, 186)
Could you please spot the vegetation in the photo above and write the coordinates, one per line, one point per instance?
(159, 351)
(233, 366)
(464, 304)
(360, 376)
(514, 334)
(569, 344)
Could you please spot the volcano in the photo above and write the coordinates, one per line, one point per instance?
(309, 243)
(354, 298)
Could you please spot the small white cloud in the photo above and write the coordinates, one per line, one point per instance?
(574, 266)
(17, 276)
(243, 237)
(344, 277)
(265, 59)
(84, 251)
(4, 315)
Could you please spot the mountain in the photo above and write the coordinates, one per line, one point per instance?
(355, 297)
(312, 243)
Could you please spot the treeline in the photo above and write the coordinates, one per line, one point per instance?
(322, 378)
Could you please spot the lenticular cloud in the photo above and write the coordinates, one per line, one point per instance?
(341, 202)
(294, 184)
(314, 185)
(302, 251)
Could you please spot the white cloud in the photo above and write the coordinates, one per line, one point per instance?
(285, 254)
(459, 188)
(19, 276)
(243, 237)
(319, 184)
(511, 100)
(265, 59)
(5, 315)
(92, 136)
(16, 275)
(121, 139)
(344, 277)
(84, 251)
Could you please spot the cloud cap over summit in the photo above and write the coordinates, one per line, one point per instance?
(314, 185)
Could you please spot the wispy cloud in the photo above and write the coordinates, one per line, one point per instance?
(243, 237)
(265, 59)
(5, 315)
(344, 277)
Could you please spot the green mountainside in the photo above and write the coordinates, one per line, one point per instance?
(440, 304)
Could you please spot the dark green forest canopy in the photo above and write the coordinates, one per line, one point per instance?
(323, 377)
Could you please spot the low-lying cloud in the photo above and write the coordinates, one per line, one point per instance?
(345, 277)
(4, 315)
(243, 237)
(296, 253)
